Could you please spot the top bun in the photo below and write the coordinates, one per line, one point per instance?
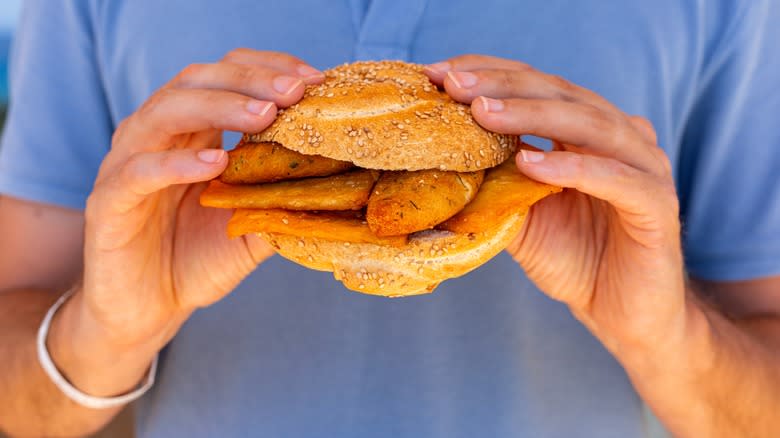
(386, 115)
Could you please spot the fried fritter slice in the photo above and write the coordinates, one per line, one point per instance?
(336, 226)
(253, 163)
(346, 191)
(404, 202)
(504, 192)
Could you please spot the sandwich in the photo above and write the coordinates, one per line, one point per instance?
(380, 177)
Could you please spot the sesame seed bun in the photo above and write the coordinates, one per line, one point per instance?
(429, 258)
(386, 115)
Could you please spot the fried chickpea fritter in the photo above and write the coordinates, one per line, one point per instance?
(253, 163)
(504, 192)
(337, 226)
(404, 202)
(346, 191)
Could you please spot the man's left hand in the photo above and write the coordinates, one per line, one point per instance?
(609, 246)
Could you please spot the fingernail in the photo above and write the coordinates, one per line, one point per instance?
(491, 105)
(309, 72)
(531, 156)
(286, 84)
(259, 107)
(439, 67)
(463, 79)
(211, 156)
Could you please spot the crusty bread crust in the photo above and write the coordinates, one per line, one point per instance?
(429, 258)
(386, 115)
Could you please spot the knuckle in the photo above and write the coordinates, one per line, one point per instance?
(643, 122)
(669, 192)
(624, 174)
(235, 54)
(191, 73)
(639, 120)
(93, 206)
(600, 121)
(130, 170)
(242, 74)
(116, 137)
(169, 164)
(507, 80)
(560, 83)
(521, 66)
(468, 58)
(577, 165)
(622, 133)
(666, 163)
(283, 58)
(152, 105)
(645, 127)
(468, 61)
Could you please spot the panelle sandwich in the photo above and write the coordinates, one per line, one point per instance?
(381, 178)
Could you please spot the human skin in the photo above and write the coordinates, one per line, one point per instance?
(609, 247)
(141, 279)
(618, 265)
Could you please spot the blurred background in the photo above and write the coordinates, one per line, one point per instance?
(9, 13)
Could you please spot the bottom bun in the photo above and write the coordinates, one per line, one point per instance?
(429, 258)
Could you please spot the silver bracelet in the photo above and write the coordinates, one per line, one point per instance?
(69, 390)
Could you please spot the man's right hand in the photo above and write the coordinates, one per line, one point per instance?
(152, 254)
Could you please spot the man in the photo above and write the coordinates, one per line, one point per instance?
(132, 97)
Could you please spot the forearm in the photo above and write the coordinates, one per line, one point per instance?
(31, 404)
(722, 381)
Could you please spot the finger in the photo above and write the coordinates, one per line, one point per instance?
(638, 196)
(256, 81)
(581, 125)
(465, 86)
(438, 71)
(645, 127)
(149, 172)
(173, 111)
(279, 61)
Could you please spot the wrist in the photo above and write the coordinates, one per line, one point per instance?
(683, 353)
(674, 375)
(91, 361)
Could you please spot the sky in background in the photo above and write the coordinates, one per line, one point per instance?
(9, 10)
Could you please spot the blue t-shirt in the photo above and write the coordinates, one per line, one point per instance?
(290, 352)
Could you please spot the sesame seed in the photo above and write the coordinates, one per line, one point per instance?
(285, 221)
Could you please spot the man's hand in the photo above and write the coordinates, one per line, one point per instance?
(611, 248)
(152, 254)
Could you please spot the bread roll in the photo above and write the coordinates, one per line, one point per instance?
(386, 115)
